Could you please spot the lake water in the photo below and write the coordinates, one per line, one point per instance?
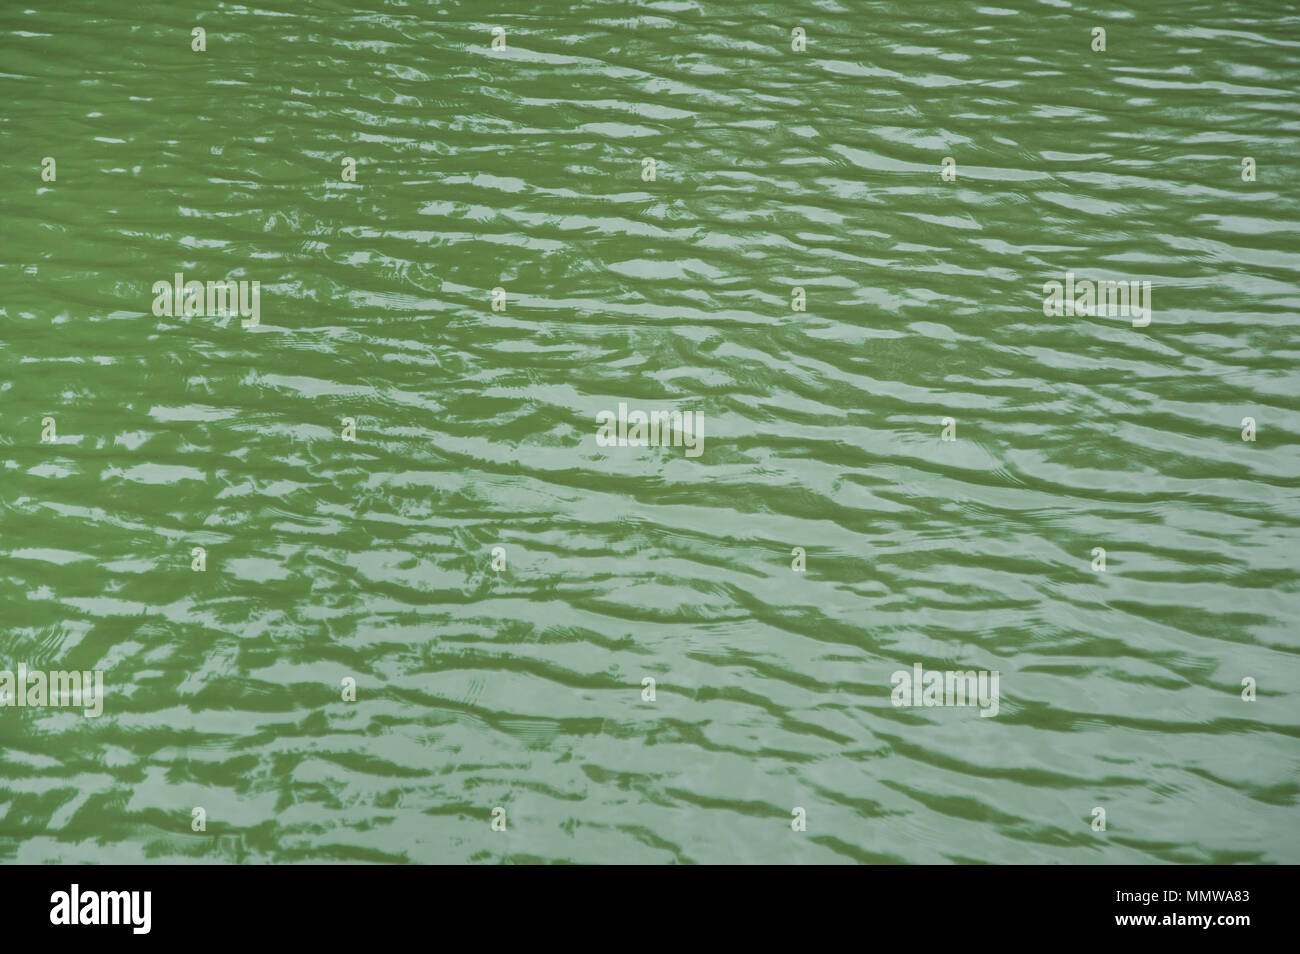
(394, 472)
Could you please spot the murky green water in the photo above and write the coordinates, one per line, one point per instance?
(326, 559)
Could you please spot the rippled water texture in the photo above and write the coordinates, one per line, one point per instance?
(522, 688)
